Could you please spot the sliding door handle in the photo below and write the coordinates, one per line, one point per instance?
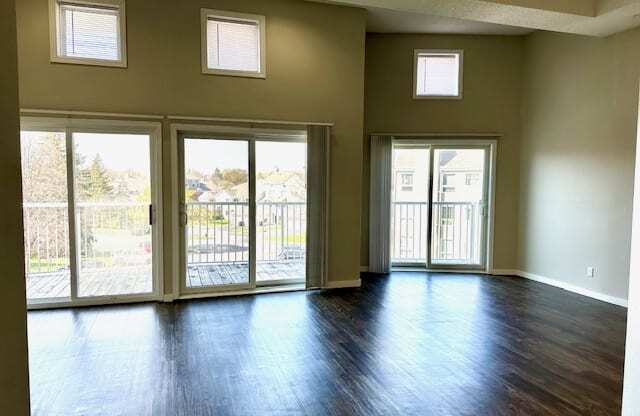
(184, 218)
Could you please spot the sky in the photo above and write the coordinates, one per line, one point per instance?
(205, 155)
(119, 152)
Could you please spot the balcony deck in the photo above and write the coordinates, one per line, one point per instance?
(137, 279)
(214, 274)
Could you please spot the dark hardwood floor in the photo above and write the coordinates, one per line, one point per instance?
(407, 344)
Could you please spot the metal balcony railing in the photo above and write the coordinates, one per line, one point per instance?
(109, 233)
(218, 232)
(119, 233)
(456, 232)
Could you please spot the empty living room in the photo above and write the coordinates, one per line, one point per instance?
(319, 207)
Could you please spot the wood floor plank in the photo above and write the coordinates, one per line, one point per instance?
(404, 344)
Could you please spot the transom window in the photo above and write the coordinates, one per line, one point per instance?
(437, 74)
(88, 32)
(233, 43)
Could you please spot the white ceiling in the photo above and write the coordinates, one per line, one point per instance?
(391, 21)
(584, 17)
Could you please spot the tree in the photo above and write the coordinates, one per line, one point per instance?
(44, 189)
(44, 168)
(94, 182)
(235, 176)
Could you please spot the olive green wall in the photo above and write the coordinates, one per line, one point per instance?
(315, 72)
(491, 104)
(577, 158)
(14, 384)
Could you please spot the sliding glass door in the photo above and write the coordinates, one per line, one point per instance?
(216, 213)
(410, 204)
(45, 205)
(90, 211)
(281, 212)
(243, 212)
(458, 206)
(112, 176)
(439, 205)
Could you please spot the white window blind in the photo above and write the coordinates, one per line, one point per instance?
(87, 31)
(438, 75)
(233, 44)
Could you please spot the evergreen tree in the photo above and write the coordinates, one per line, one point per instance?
(95, 182)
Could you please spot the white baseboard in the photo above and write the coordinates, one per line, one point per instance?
(505, 272)
(339, 284)
(563, 285)
(364, 269)
(168, 298)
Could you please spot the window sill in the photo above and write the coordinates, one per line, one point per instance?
(89, 62)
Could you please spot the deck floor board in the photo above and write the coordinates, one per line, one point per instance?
(137, 279)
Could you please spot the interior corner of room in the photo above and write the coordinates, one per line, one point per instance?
(416, 188)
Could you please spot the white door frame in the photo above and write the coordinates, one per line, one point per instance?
(433, 141)
(217, 132)
(68, 126)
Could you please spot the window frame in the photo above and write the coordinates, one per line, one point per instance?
(421, 52)
(54, 33)
(260, 20)
(444, 187)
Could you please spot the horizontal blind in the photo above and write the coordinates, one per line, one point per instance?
(233, 45)
(89, 32)
(438, 75)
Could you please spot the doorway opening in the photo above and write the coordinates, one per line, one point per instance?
(92, 223)
(243, 211)
(440, 205)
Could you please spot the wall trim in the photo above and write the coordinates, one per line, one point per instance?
(364, 269)
(72, 113)
(563, 285)
(443, 135)
(339, 284)
(173, 117)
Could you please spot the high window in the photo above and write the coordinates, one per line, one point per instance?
(88, 32)
(233, 43)
(437, 74)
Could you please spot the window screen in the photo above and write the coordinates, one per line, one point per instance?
(438, 74)
(88, 31)
(233, 44)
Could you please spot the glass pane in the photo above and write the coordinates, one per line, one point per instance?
(458, 193)
(438, 75)
(89, 32)
(233, 45)
(112, 198)
(281, 211)
(409, 209)
(217, 203)
(45, 210)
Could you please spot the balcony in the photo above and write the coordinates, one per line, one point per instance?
(114, 246)
(218, 242)
(456, 231)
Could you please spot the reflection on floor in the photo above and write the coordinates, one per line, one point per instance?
(404, 344)
(215, 274)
